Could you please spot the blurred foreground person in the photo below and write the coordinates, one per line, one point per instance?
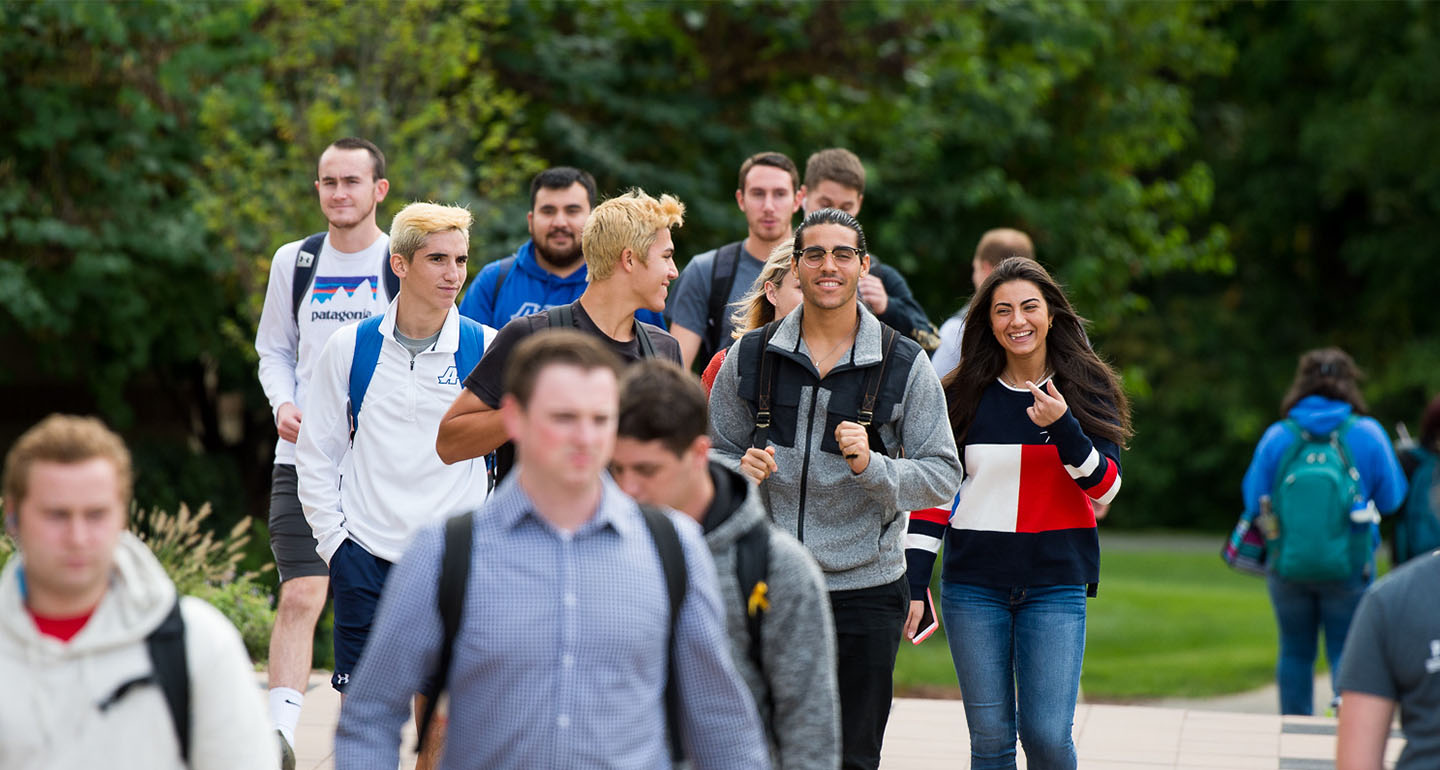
(100, 665)
(556, 614)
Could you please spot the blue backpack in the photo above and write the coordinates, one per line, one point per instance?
(367, 353)
(1417, 529)
(1316, 488)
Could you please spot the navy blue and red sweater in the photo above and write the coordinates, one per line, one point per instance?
(1023, 516)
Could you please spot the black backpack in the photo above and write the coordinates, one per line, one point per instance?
(170, 672)
(307, 261)
(562, 317)
(455, 573)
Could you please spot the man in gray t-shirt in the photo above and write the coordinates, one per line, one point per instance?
(1392, 655)
(769, 183)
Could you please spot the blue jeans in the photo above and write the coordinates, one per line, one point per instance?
(1301, 610)
(1018, 653)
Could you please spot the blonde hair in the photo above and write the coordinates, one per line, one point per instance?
(754, 310)
(629, 221)
(65, 439)
(418, 221)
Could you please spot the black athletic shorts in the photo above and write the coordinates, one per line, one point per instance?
(291, 539)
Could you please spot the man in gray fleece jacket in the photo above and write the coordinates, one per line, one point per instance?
(843, 423)
(785, 651)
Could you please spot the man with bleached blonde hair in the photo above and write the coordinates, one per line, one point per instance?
(391, 377)
(631, 260)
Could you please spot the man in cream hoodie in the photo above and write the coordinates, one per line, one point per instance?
(78, 687)
(393, 483)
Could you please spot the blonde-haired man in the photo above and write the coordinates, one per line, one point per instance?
(392, 377)
(93, 643)
(631, 260)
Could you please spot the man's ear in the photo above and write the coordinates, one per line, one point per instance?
(699, 450)
(627, 260)
(859, 201)
(381, 188)
(400, 265)
(740, 199)
(800, 198)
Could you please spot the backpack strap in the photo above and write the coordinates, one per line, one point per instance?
(501, 275)
(642, 336)
(761, 435)
(471, 348)
(752, 571)
(362, 365)
(722, 281)
(876, 376)
(672, 562)
(166, 646)
(306, 261)
(390, 279)
(450, 594)
(560, 316)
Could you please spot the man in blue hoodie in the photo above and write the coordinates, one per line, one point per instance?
(549, 269)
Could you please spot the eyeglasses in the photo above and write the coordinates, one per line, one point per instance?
(814, 256)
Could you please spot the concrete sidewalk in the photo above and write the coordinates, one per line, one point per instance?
(926, 734)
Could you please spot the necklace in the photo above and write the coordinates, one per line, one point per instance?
(833, 350)
(1047, 374)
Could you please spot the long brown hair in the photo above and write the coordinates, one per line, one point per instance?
(1091, 388)
(1328, 372)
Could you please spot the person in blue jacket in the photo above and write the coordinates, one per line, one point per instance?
(549, 269)
(1325, 391)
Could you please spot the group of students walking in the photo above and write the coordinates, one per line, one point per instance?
(528, 504)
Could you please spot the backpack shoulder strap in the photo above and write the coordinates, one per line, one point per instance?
(501, 274)
(389, 278)
(642, 336)
(306, 261)
(166, 646)
(472, 346)
(752, 570)
(560, 316)
(450, 593)
(722, 281)
(362, 366)
(761, 435)
(875, 377)
(672, 561)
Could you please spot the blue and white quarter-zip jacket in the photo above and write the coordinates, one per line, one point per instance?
(1024, 515)
(393, 481)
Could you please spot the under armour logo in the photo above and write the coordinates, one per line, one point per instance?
(342, 679)
(305, 259)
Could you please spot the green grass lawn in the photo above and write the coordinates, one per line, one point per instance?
(1170, 620)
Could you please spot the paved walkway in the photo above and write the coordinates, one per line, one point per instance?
(926, 734)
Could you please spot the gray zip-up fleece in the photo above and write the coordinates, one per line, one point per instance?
(797, 634)
(854, 524)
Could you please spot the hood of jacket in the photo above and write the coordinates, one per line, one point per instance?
(1318, 414)
(735, 509)
(139, 597)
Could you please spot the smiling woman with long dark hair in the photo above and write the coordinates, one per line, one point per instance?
(1039, 420)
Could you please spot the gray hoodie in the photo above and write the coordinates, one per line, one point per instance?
(854, 524)
(797, 635)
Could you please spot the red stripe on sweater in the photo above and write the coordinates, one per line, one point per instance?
(1107, 483)
(1049, 498)
(939, 516)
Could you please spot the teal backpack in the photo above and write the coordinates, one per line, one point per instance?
(1417, 529)
(1316, 488)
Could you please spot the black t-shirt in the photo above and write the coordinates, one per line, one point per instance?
(487, 381)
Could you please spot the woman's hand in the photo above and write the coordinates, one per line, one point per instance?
(1048, 407)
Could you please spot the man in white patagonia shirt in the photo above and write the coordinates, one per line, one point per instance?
(317, 284)
(391, 377)
(100, 665)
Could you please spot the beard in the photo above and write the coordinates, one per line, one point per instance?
(561, 258)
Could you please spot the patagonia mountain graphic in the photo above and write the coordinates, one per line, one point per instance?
(329, 287)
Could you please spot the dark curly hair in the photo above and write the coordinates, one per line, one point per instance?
(1091, 388)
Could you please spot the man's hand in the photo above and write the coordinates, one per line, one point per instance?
(287, 422)
(758, 464)
(1048, 407)
(872, 292)
(854, 445)
(912, 620)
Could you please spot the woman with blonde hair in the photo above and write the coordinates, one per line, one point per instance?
(774, 294)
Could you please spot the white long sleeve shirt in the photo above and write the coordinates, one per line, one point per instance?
(347, 287)
(394, 483)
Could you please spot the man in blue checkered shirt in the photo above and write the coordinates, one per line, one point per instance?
(561, 659)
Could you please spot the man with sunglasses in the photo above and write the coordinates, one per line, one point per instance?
(842, 422)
